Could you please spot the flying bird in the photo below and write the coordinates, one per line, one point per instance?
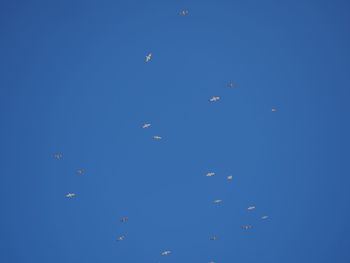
(217, 201)
(148, 57)
(166, 253)
(121, 238)
(250, 208)
(229, 177)
(81, 171)
(231, 85)
(214, 99)
(124, 219)
(183, 12)
(246, 227)
(146, 125)
(274, 109)
(70, 195)
(213, 238)
(58, 156)
(156, 137)
(264, 217)
(210, 174)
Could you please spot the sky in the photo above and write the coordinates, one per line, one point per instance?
(73, 80)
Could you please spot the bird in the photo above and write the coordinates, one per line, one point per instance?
(273, 109)
(229, 177)
(231, 85)
(124, 219)
(217, 201)
(246, 227)
(80, 171)
(210, 174)
(213, 238)
(214, 99)
(70, 195)
(58, 156)
(148, 57)
(250, 208)
(183, 12)
(146, 125)
(166, 253)
(121, 238)
(264, 217)
(156, 137)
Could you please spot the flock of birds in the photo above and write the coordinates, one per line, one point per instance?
(213, 99)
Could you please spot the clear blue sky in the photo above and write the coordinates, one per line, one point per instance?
(73, 79)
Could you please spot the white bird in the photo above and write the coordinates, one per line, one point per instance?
(214, 99)
(246, 227)
(273, 109)
(146, 125)
(264, 217)
(217, 201)
(214, 238)
(156, 137)
(81, 171)
(231, 85)
(57, 156)
(148, 57)
(229, 177)
(70, 195)
(121, 238)
(183, 13)
(250, 208)
(210, 174)
(166, 253)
